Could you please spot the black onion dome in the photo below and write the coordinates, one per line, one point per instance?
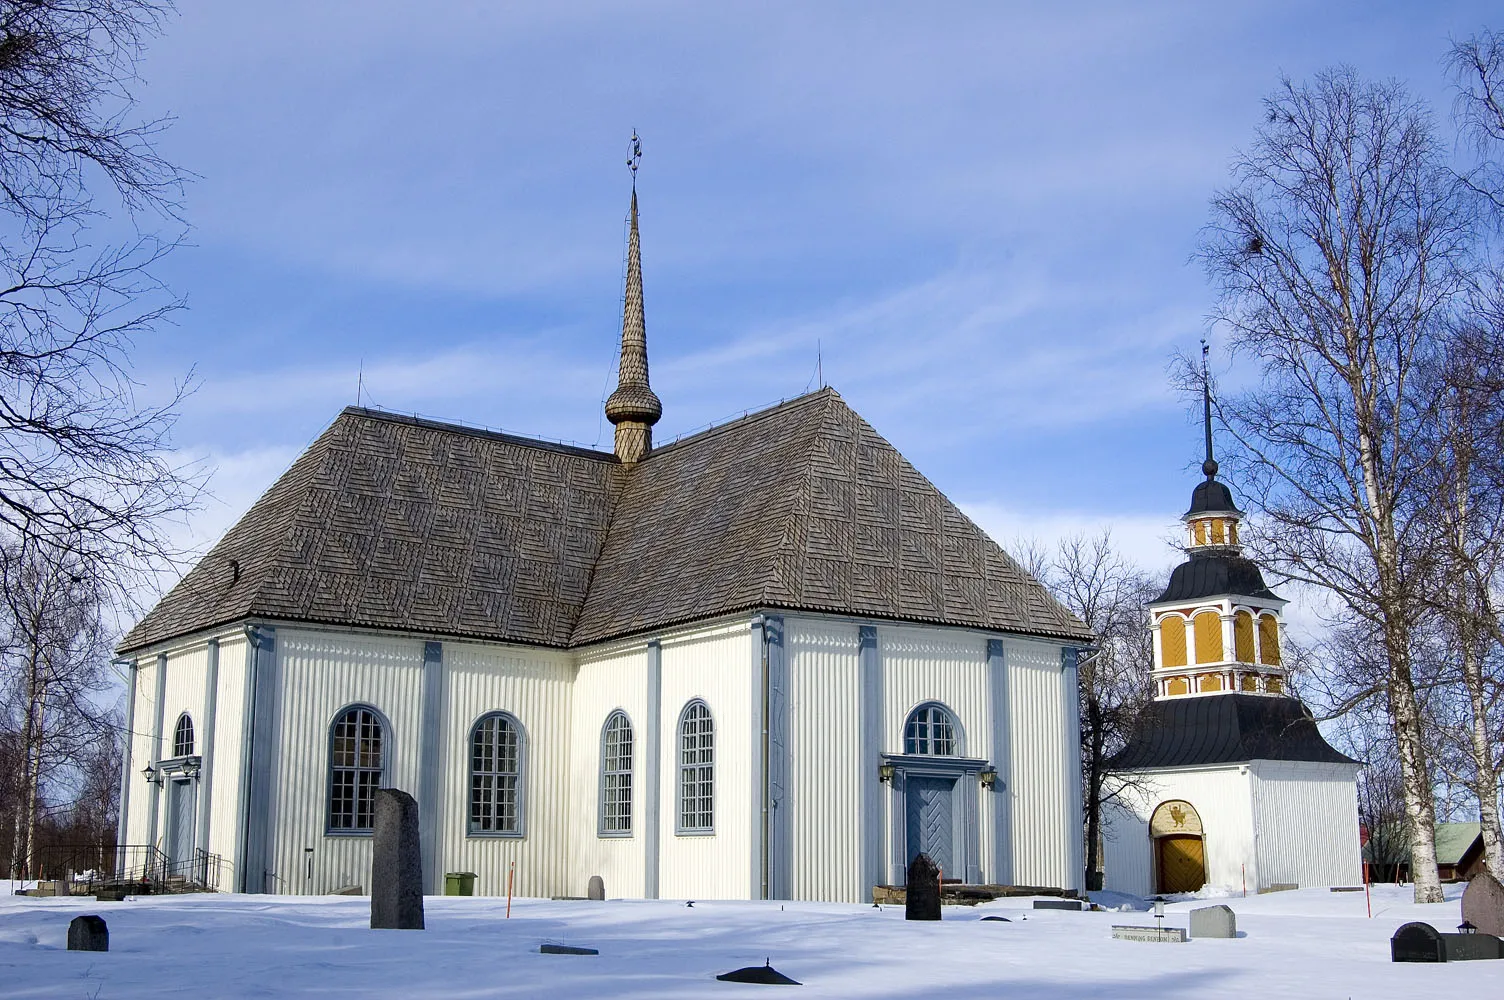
(1224, 729)
(1212, 497)
(1215, 574)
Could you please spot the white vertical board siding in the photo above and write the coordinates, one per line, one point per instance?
(1221, 796)
(228, 757)
(1307, 815)
(714, 667)
(1126, 862)
(950, 667)
(186, 671)
(322, 673)
(142, 746)
(605, 682)
(1043, 766)
(534, 686)
(825, 769)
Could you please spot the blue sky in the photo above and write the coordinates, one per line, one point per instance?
(983, 214)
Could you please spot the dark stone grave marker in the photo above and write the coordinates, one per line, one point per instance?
(596, 888)
(565, 949)
(88, 934)
(1420, 942)
(922, 898)
(1057, 904)
(396, 863)
(1483, 904)
(1214, 922)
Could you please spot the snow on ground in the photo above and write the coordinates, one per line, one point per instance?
(1305, 943)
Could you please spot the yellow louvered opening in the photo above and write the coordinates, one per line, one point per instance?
(1269, 640)
(1208, 637)
(1172, 641)
(1242, 636)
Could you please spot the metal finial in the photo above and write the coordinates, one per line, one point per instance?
(634, 156)
(1210, 465)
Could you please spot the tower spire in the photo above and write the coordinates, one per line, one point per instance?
(633, 408)
(1210, 465)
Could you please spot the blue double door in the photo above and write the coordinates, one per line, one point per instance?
(931, 822)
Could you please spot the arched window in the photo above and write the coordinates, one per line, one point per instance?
(696, 769)
(357, 765)
(930, 730)
(182, 737)
(496, 747)
(616, 775)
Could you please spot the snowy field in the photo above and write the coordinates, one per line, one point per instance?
(1306, 943)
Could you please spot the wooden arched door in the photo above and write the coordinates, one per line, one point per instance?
(1179, 847)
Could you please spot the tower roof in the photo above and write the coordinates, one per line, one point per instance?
(634, 399)
(1224, 729)
(1216, 574)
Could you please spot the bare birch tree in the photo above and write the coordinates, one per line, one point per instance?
(1337, 250)
(1091, 578)
(84, 462)
(56, 645)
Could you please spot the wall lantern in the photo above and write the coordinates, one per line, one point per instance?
(1159, 912)
(150, 773)
(885, 772)
(1466, 927)
(989, 778)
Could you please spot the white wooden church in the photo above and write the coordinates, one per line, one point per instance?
(1226, 780)
(770, 660)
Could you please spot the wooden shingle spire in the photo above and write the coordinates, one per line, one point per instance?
(633, 408)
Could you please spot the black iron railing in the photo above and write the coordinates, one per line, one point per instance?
(136, 868)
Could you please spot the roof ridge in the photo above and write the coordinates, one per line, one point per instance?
(824, 392)
(473, 431)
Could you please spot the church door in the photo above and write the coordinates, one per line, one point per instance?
(931, 821)
(181, 799)
(1182, 866)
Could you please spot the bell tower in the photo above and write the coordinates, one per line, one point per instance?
(633, 408)
(1217, 626)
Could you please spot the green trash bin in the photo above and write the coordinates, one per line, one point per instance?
(459, 883)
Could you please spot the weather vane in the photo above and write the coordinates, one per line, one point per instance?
(634, 156)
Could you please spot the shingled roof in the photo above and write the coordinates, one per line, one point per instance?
(396, 522)
(1224, 729)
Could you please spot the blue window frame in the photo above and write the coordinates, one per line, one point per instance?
(182, 736)
(616, 776)
(357, 768)
(497, 747)
(932, 731)
(696, 813)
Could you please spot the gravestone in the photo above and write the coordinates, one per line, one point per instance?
(88, 934)
(566, 949)
(1157, 935)
(596, 889)
(1483, 904)
(396, 863)
(922, 898)
(1420, 942)
(1057, 904)
(1214, 922)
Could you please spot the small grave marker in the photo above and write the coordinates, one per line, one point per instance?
(1162, 935)
(565, 949)
(88, 933)
(922, 900)
(764, 975)
(1214, 922)
(1057, 904)
(596, 889)
(1420, 942)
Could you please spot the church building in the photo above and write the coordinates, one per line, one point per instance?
(1226, 781)
(769, 660)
